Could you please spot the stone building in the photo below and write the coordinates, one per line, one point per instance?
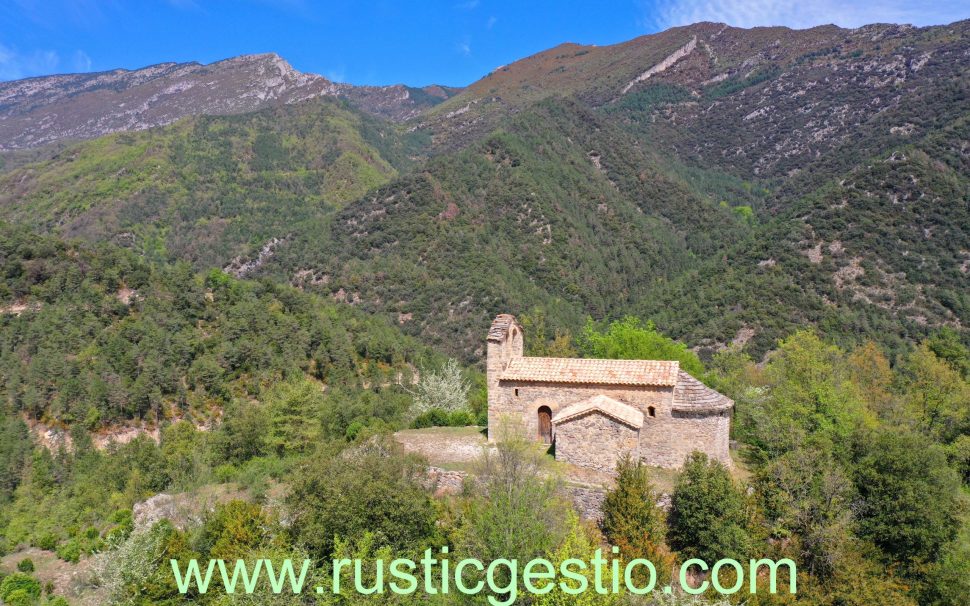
(595, 411)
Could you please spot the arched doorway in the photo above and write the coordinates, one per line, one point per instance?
(545, 424)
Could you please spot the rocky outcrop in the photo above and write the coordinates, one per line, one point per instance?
(43, 110)
(672, 58)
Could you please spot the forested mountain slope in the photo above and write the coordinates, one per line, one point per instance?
(209, 188)
(96, 335)
(730, 184)
(532, 215)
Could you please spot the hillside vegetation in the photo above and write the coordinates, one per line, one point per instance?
(761, 180)
(93, 336)
(210, 188)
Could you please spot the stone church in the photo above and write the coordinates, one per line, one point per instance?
(595, 411)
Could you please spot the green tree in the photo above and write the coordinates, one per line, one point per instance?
(937, 397)
(184, 452)
(633, 521)
(242, 434)
(808, 497)
(946, 344)
(707, 515)
(512, 511)
(809, 399)
(909, 495)
(580, 543)
(630, 339)
(294, 409)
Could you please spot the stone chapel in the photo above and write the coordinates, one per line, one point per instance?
(595, 411)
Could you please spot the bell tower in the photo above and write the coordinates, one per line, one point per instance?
(503, 344)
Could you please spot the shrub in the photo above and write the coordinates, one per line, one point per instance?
(47, 541)
(440, 418)
(224, 473)
(372, 486)
(25, 565)
(69, 551)
(19, 586)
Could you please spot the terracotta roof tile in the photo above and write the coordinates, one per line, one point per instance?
(593, 371)
(693, 396)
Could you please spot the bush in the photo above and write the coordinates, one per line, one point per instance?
(441, 418)
(25, 565)
(69, 551)
(445, 389)
(372, 486)
(224, 473)
(47, 541)
(19, 597)
(19, 586)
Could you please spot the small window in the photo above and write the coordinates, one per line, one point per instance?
(651, 411)
(516, 392)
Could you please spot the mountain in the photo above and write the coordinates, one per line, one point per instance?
(732, 185)
(43, 110)
(209, 188)
(528, 216)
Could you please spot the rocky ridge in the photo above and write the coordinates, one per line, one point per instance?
(47, 109)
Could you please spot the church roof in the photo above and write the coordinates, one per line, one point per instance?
(615, 409)
(690, 395)
(593, 371)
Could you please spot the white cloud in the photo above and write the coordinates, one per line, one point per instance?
(800, 13)
(15, 65)
(491, 22)
(464, 46)
(337, 74)
(81, 62)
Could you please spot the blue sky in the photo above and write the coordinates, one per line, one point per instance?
(416, 42)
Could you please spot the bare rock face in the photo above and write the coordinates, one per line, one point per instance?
(37, 111)
(159, 507)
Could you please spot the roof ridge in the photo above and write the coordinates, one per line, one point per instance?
(600, 359)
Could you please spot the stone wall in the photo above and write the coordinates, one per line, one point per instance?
(666, 438)
(497, 358)
(667, 444)
(531, 396)
(442, 481)
(595, 441)
(588, 502)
